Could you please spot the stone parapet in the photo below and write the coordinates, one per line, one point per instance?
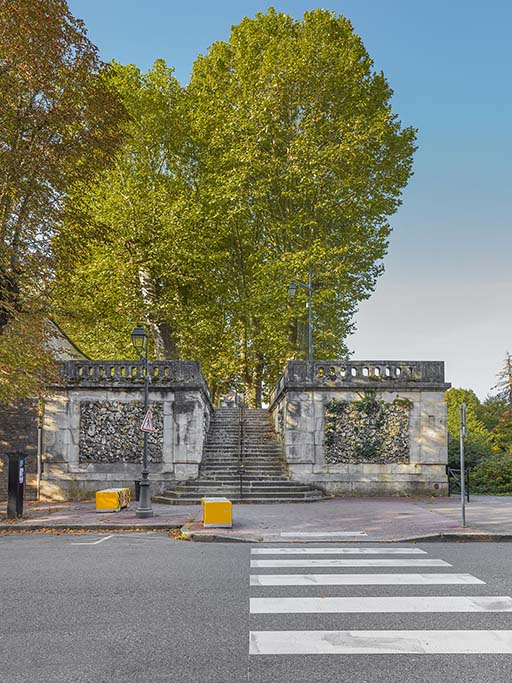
(363, 374)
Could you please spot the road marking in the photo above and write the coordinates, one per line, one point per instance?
(105, 538)
(360, 579)
(337, 551)
(384, 605)
(312, 534)
(379, 642)
(349, 563)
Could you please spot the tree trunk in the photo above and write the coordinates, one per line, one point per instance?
(9, 297)
(255, 389)
(163, 338)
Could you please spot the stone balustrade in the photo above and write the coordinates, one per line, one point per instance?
(361, 374)
(126, 374)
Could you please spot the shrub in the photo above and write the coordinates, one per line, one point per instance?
(493, 475)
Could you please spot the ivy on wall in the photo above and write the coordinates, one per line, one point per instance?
(367, 431)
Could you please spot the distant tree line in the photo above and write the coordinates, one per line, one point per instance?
(488, 446)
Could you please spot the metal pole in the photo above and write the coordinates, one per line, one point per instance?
(310, 317)
(462, 474)
(144, 508)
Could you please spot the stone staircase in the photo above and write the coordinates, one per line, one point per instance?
(265, 479)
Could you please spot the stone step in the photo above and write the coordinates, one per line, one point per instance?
(248, 476)
(235, 493)
(269, 487)
(236, 500)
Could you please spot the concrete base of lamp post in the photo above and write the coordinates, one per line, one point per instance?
(144, 508)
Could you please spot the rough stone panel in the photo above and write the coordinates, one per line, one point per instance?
(368, 431)
(110, 432)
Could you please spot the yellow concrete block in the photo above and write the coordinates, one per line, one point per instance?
(217, 512)
(112, 500)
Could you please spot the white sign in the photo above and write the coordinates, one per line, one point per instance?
(147, 422)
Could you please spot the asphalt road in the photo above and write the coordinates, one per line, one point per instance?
(141, 607)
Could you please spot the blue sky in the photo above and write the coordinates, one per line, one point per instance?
(446, 292)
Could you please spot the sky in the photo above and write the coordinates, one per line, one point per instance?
(446, 290)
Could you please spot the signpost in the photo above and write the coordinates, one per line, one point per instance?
(147, 423)
(463, 434)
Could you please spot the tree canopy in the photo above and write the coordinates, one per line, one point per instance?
(59, 121)
(282, 156)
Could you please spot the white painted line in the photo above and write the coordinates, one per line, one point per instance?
(379, 642)
(349, 563)
(105, 538)
(337, 551)
(361, 579)
(312, 534)
(381, 605)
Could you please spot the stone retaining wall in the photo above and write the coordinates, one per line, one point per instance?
(91, 430)
(398, 446)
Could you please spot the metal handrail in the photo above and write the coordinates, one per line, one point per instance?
(241, 442)
(454, 480)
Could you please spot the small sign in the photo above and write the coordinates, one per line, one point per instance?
(147, 422)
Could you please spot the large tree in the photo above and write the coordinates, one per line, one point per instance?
(301, 162)
(59, 122)
(144, 255)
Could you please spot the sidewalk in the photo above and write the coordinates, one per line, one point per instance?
(380, 519)
(83, 516)
(337, 519)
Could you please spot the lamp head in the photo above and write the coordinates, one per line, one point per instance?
(292, 291)
(139, 340)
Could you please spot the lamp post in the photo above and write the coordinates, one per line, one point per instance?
(140, 344)
(292, 292)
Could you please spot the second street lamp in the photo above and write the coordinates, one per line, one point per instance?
(292, 292)
(140, 344)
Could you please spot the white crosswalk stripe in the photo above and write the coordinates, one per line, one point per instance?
(337, 551)
(361, 579)
(390, 641)
(379, 642)
(383, 605)
(349, 563)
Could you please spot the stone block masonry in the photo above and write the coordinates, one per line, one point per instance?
(364, 427)
(18, 432)
(91, 429)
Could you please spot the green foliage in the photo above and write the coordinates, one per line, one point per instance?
(301, 163)
(59, 121)
(493, 475)
(282, 156)
(490, 411)
(479, 442)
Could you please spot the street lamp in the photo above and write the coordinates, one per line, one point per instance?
(140, 344)
(292, 293)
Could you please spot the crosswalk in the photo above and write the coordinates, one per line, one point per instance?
(371, 561)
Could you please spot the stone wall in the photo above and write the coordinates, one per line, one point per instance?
(18, 432)
(91, 431)
(364, 427)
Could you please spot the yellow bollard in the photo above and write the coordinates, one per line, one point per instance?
(112, 500)
(217, 512)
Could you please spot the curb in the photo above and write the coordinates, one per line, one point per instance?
(450, 537)
(85, 527)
